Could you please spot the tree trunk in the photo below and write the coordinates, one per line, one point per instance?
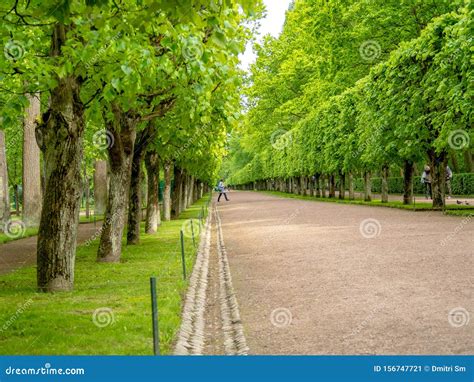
(367, 186)
(152, 165)
(323, 186)
(438, 177)
(177, 191)
(385, 174)
(191, 191)
(87, 192)
(342, 185)
(100, 187)
(136, 179)
(4, 197)
(167, 191)
(332, 186)
(135, 199)
(17, 199)
(468, 160)
(351, 185)
(408, 182)
(32, 195)
(123, 129)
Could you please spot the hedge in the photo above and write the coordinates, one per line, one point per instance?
(461, 184)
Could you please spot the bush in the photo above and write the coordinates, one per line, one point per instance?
(461, 184)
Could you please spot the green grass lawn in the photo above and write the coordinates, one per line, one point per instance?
(451, 209)
(32, 231)
(62, 323)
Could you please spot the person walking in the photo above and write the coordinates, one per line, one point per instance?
(426, 180)
(222, 191)
(449, 176)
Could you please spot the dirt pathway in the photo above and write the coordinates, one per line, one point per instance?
(18, 253)
(325, 278)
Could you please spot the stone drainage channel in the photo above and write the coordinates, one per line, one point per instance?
(211, 321)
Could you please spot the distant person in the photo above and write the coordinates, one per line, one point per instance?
(222, 190)
(449, 176)
(426, 180)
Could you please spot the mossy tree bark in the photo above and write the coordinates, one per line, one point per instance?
(60, 136)
(120, 153)
(153, 218)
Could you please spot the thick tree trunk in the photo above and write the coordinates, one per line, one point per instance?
(60, 136)
(438, 177)
(123, 129)
(177, 192)
(385, 170)
(191, 191)
(100, 187)
(152, 165)
(342, 185)
(408, 169)
(4, 199)
(332, 186)
(168, 169)
(136, 179)
(351, 186)
(135, 199)
(367, 186)
(32, 195)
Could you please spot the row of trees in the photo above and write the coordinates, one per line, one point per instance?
(149, 84)
(359, 88)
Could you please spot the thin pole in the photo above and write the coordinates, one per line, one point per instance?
(183, 259)
(154, 313)
(192, 232)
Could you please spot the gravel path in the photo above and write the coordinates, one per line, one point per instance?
(19, 253)
(324, 278)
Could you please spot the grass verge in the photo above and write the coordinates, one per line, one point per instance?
(451, 209)
(33, 231)
(109, 310)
